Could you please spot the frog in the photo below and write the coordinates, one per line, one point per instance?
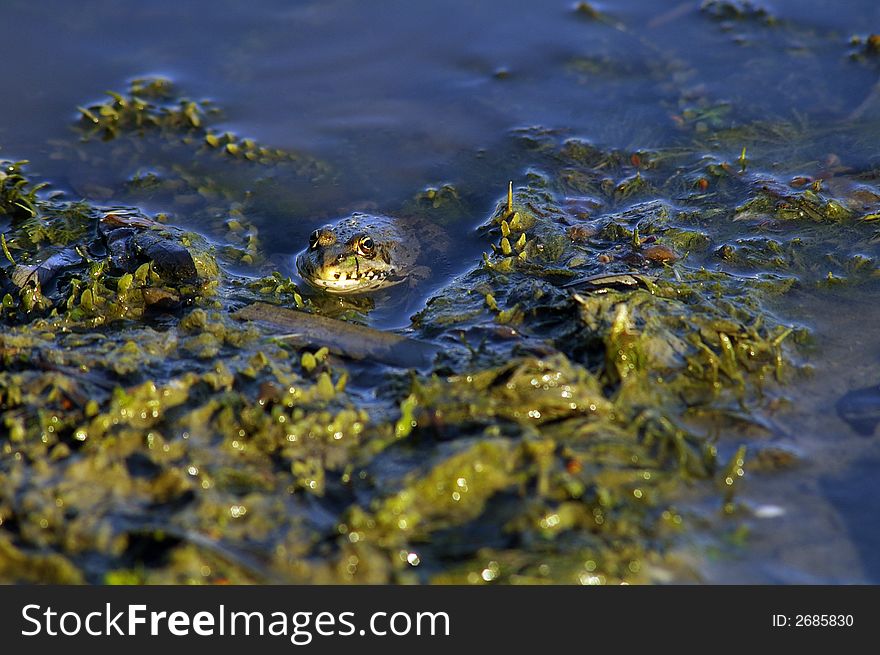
(363, 253)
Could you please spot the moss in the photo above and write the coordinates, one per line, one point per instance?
(451, 492)
(618, 333)
(17, 567)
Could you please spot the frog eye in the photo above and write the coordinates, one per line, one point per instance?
(314, 239)
(366, 246)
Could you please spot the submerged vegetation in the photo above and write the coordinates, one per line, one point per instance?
(615, 354)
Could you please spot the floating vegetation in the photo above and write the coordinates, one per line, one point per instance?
(153, 107)
(149, 103)
(100, 266)
(865, 48)
(17, 196)
(176, 409)
(739, 10)
(154, 103)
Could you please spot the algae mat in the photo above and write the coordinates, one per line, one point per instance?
(614, 374)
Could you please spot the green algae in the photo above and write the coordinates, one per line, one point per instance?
(85, 288)
(17, 195)
(738, 10)
(155, 104)
(152, 438)
(149, 103)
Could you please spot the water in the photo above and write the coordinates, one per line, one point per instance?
(399, 96)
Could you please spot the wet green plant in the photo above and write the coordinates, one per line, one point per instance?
(18, 196)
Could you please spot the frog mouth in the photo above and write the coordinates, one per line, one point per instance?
(347, 281)
(341, 282)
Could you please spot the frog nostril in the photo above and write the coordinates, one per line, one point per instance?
(336, 276)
